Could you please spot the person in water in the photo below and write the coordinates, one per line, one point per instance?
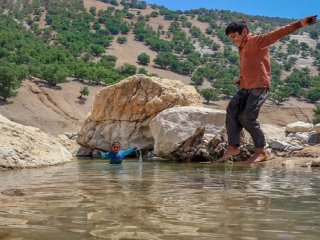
(254, 82)
(116, 155)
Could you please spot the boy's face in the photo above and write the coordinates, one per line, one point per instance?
(115, 148)
(237, 38)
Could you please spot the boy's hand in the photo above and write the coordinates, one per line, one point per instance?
(309, 20)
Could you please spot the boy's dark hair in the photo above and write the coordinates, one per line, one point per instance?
(236, 27)
(115, 143)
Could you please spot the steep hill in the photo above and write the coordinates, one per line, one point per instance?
(79, 40)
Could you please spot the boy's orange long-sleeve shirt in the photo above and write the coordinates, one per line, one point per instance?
(255, 71)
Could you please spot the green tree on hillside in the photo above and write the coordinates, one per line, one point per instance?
(84, 91)
(316, 117)
(8, 82)
(209, 94)
(163, 59)
(226, 85)
(144, 59)
(128, 70)
(121, 40)
(96, 49)
(54, 73)
(313, 94)
(279, 95)
(197, 79)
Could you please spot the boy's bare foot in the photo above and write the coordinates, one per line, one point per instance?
(259, 156)
(231, 151)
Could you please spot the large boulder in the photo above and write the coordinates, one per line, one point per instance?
(24, 146)
(176, 124)
(122, 112)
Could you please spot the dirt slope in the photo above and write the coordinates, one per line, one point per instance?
(54, 110)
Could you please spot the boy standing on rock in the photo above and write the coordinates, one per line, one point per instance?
(254, 81)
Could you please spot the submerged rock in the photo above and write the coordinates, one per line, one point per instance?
(15, 192)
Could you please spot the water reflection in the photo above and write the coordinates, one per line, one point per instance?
(91, 199)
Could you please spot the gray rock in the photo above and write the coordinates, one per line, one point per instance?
(122, 112)
(176, 124)
(279, 145)
(83, 151)
(314, 139)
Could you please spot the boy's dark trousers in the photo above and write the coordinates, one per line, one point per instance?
(242, 112)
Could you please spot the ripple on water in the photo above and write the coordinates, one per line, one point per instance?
(5, 221)
(159, 201)
(119, 233)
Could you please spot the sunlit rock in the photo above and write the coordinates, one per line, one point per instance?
(299, 127)
(176, 124)
(122, 112)
(24, 146)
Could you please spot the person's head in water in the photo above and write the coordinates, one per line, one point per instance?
(115, 147)
(237, 32)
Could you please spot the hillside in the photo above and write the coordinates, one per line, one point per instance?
(97, 43)
(59, 110)
(128, 52)
(54, 110)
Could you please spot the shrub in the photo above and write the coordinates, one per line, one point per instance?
(84, 91)
(316, 117)
(121, 40)
(209, 94)
(144, 59)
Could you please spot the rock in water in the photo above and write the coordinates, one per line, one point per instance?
(122, 112)
(25, 147)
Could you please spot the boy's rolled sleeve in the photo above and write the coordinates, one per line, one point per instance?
(128, 151)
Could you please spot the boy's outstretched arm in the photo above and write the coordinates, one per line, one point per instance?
(128, 151)
(104, 154)
(266, 39)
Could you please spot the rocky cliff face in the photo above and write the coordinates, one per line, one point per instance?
(122, 112)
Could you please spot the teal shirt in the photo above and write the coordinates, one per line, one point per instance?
(116, 158)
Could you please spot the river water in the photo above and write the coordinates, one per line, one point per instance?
(90, 199)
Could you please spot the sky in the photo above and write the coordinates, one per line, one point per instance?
(272, 8)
